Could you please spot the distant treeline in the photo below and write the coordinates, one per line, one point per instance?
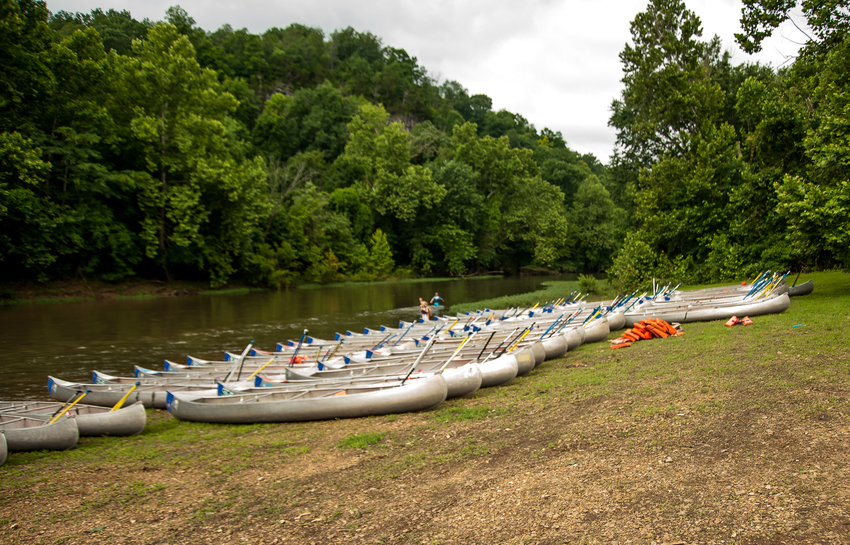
(163, 150)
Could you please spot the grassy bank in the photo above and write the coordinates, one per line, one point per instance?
(725, 435)
(551, 290)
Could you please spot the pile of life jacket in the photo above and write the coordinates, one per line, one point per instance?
(651, 328)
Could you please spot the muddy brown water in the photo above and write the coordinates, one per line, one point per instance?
(70, 340)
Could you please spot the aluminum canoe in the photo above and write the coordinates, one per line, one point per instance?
(24, 433)
(310, 404)
(92, 420)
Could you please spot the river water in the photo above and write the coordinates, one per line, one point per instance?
(70, 340)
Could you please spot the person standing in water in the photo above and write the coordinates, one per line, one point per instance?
(424, 310)
(437, 300)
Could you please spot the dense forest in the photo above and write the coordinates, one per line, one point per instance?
(162, 150)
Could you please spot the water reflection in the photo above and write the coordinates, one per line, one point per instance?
(70, 340)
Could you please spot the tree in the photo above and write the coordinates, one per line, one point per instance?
(829, 21)
(24, 76)
(199, 205)
(668, 90)
(594, 219)
(381, 262)
(390, 183)
(311, 119)
(27, 224)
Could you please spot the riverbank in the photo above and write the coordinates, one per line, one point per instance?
(59, 291)
(56, 291)
(725, 435)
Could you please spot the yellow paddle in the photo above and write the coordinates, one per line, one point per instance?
(260, 369)
(71, 406)
(456, 351)
(527, 331)
(123, 399)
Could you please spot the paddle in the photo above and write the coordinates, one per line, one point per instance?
(238, 361)
(297, 348)
(552, 326)
(330, 355)
(448, 361)
(566, 323)
(260, 369)
(527, 331)
(385, 339)
(59, 410)
(123, 399)
(419, 358)
(798, 276)
(491, 354)
(485, 345)
(403, 334)
(52, 420)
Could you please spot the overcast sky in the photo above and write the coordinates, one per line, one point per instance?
(555, 62)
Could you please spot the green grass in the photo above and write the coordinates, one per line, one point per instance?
(361, 441)
(230, 291)
(457, 414)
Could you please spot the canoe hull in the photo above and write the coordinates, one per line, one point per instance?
(616, 321)
(555, 347)
(805, 288)
(499, 371)
(539, 353)
(38, 435)
(124, 422)
(597, 330)
(525, 360)
(416, 395)
(573, 338)
(462, 381)
(105, 395)
(773, 305)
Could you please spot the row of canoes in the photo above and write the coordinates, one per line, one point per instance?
(435, 364)
(412, 367)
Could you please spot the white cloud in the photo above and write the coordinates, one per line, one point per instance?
(555, 62)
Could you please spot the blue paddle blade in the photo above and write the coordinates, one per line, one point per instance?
(258, 381)
(169, 399)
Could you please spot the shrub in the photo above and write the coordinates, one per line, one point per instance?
(588, 284)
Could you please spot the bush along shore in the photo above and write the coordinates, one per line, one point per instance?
(723, 435)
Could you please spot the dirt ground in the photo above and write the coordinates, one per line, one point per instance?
(596, 447)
